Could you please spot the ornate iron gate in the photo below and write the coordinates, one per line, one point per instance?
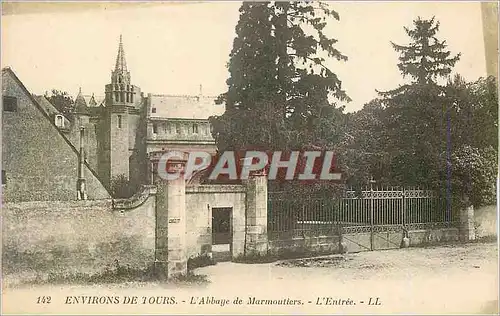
(366, 220)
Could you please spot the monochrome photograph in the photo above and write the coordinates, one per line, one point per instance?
(260, 157)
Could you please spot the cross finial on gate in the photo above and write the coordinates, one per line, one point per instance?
(372, 181)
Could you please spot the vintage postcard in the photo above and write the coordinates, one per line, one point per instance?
(239, 158)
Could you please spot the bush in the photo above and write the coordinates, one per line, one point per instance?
(474, 174)
(255, 258)
(122, 188)
(199, 262)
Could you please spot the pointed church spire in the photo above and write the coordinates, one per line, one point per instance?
(121, 64)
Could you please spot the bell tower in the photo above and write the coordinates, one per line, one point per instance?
(120, 91)
(122, 99)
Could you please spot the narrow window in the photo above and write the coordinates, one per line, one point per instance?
(155, 128)
(119, 121)
(195, 128)
(9, 104)
(59, 121)
(177, 128)
(132, 98)
(4, 177)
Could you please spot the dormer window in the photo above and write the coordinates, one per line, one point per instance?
(153, 110)
(59, 121)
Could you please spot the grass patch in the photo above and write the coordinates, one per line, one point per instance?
(191, 278)
(255, 258)
(330, 261)
(486, 239)
(199, 262)
(115, 274)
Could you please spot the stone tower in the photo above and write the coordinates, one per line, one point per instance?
(82, 120)
(121, 101)
(81, 111)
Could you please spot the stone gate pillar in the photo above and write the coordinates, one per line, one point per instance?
(170, 242)
(256, 214)
(467, 231)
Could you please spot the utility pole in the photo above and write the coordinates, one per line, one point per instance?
(371, 212)
(81, 193)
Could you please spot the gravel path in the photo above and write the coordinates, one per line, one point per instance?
(450, 279)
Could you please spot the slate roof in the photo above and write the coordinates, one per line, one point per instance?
(93, 100)
(184, 106)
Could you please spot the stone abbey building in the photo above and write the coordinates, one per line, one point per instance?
(125, 127)
(119, 134)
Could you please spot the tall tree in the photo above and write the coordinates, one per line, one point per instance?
(252, 83)
(417, 112)
(279, 84)
(425, 59)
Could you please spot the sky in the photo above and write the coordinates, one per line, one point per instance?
(173, 48)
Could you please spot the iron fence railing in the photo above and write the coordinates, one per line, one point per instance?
(323, 216)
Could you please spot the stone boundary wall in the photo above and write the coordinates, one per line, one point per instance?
(307, 246)
(322, 245)
(65, 237)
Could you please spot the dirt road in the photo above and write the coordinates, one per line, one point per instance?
(450, 279)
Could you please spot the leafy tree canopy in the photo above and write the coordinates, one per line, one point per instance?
(279, 87)
(62, 101)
